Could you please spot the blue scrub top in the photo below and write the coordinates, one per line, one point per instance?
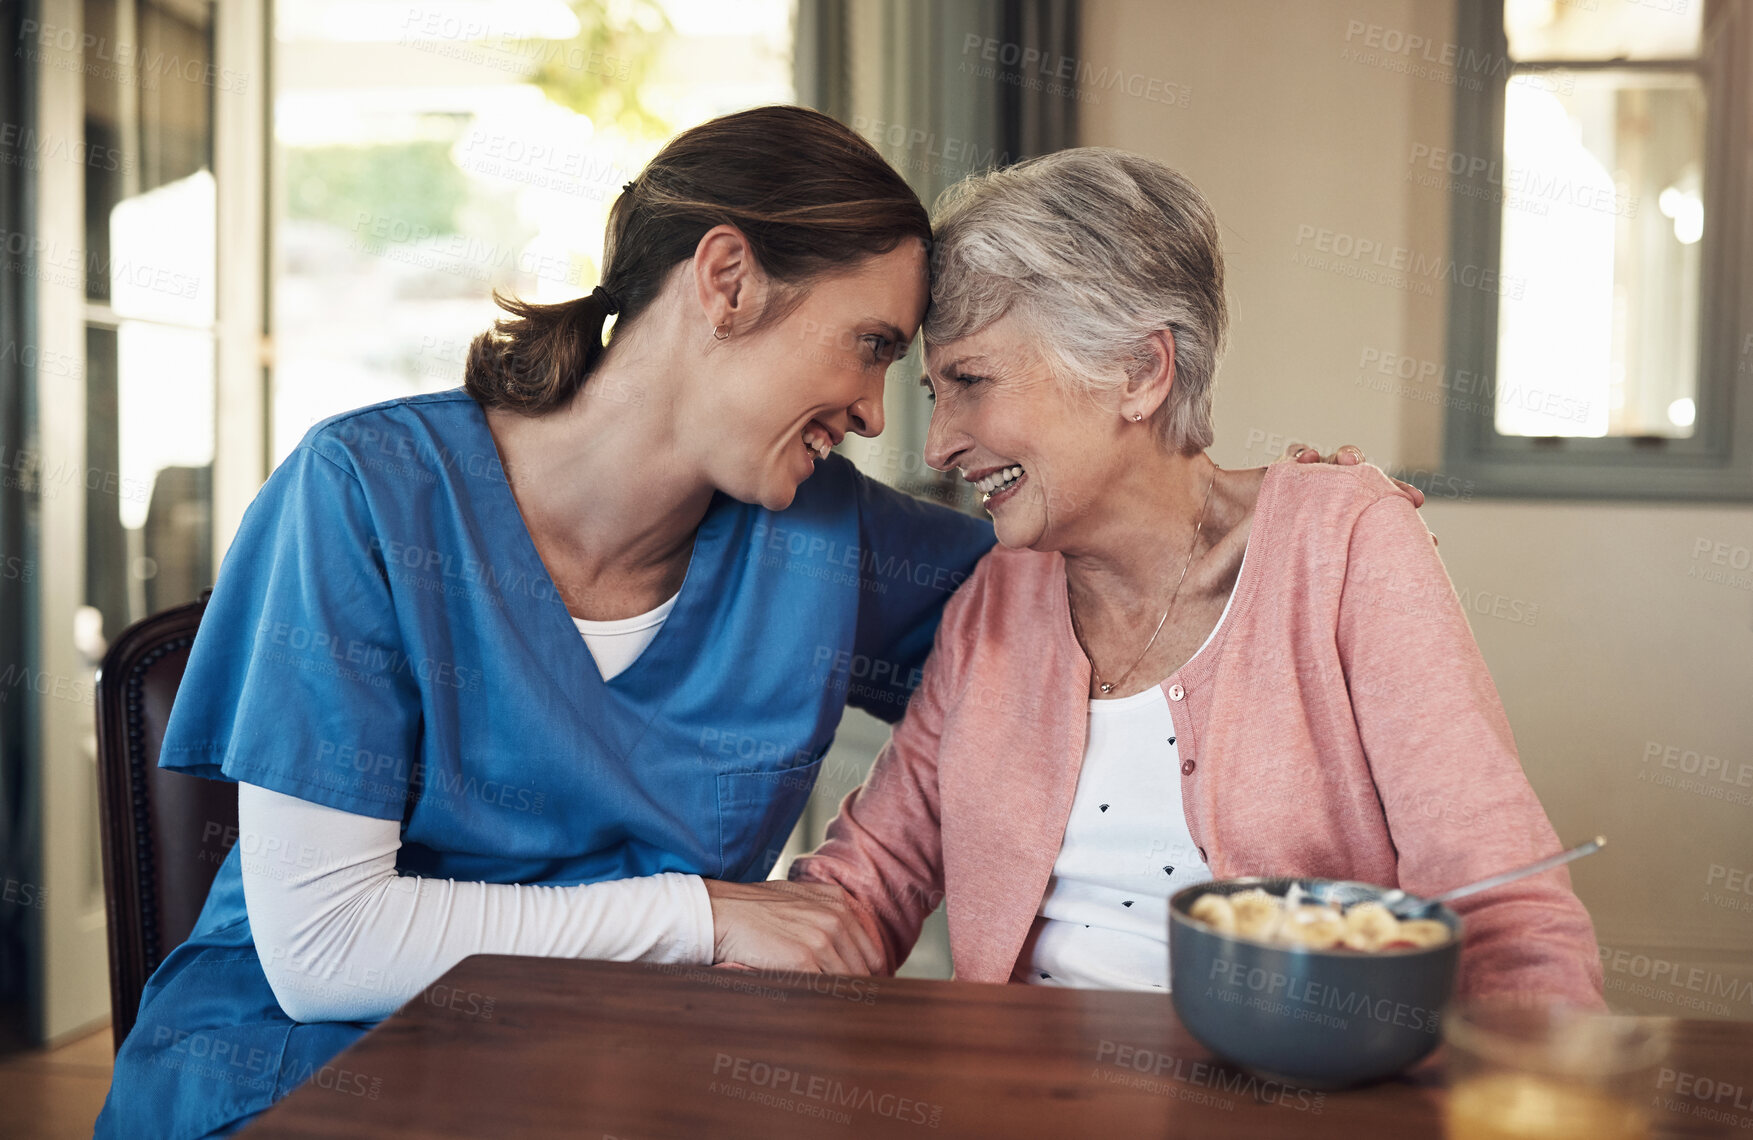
(383, 638)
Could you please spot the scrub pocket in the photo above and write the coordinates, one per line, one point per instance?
(756, 812)
(312, 1057)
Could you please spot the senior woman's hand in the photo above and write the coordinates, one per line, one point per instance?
(789, 926)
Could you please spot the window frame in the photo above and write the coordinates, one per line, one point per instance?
(68, 961)
(1716, 462)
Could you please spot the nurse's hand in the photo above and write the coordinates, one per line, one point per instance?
(1348, 455)
(790, 926)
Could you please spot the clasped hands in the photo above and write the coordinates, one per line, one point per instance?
(777, 925)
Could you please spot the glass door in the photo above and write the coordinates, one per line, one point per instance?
(148, 134)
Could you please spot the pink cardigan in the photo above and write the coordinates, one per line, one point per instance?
(1340, 724)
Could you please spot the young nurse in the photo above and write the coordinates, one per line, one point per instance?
(547, 665)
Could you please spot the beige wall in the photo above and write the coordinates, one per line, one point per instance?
(1627, 651)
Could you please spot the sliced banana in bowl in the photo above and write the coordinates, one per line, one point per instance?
(1293, 919)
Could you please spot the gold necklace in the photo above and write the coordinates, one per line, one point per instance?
(1108, 687)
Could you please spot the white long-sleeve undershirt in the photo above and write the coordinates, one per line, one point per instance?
(343, 937)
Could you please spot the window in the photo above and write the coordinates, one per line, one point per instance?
(125, 143)
(429, 155)
(1597, 188)
(150, 313)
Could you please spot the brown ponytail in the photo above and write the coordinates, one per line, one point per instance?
(810, 195)
(533, 360)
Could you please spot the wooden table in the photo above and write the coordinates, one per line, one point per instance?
(504, 1046)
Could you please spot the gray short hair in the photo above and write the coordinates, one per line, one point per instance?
(1098, 248)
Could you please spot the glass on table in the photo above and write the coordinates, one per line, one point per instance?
(1538, 1071)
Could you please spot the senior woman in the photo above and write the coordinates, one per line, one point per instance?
(1168, 672)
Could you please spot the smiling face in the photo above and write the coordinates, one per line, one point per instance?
(1039, 453)
(778, 399)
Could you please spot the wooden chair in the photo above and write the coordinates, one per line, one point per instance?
(164, 833)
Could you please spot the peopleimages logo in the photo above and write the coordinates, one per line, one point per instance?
(1377, 262)
(1523, 187)
(61, 263)
(777, 1085)
(806, 548)
(1149, 1063)
(376, 663)
(1669, 981)
(384, 773)
(120, 60)
(26, 146)
(1055, 74)
(1305, 1000)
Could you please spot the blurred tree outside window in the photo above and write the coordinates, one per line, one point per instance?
(429, 154)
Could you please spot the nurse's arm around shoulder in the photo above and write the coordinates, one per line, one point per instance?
(885, 847)
(1458, 805)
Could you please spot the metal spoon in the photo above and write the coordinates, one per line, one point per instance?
(1396, 900)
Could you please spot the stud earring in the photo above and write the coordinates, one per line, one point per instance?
(1137, 416)
(719, 335)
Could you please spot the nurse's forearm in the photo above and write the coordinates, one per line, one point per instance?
(342, 937)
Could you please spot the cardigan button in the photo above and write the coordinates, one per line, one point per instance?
(1176, 692)
(1187, 767)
